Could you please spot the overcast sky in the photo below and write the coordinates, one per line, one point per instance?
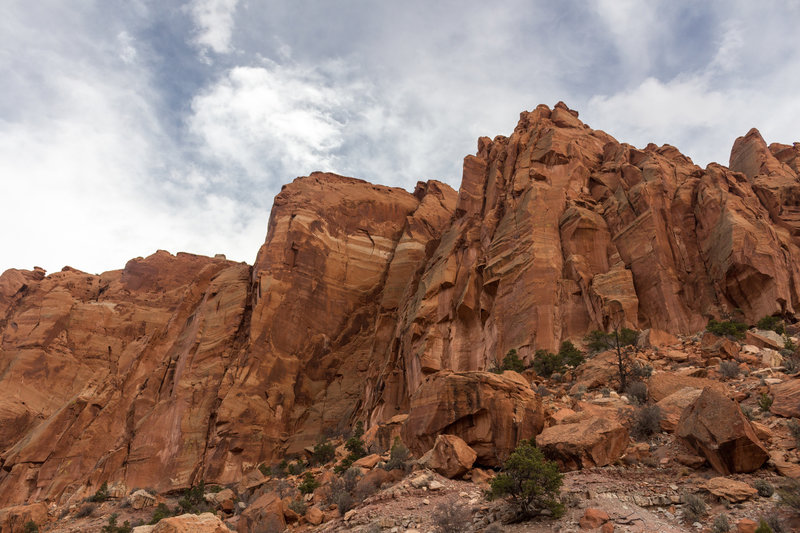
(128, 126)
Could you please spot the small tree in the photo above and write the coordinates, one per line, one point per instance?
(622, 341)
(546, 363)
(570, 355)
(531, 482)
(324, 452)
(309, 484)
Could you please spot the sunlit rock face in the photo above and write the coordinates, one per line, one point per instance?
(182, 368)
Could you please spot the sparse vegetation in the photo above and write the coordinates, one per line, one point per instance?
(296, 468)
(494, 527)
(398, 455)
(621, 341)
(764, 488)
(264, 469)
(646, 421)
(86, 510)
(570, 355)
(101, 495)
(772, 323)
(721, 524)
(789, 494)
(324, 452)
(530, 481)
(31, 527)
(794, 429)
(309, 484)
(765, 402)
(451, 517)
(694, 508)
(161, 512)
(355, 446)
(727, 328)
(637, 392)
(341, 490)
(112, 526)
(763, 527)
(775, 523)
(298, 506)
(192, 500)
(729, 369)
(547, 363)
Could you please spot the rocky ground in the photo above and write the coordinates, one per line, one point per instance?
(612, 482)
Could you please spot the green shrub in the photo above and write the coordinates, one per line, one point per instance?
(764, 488)
(296, 468)
(341, 490)
(279, 470)
(31, 527)
(570, 355)
(192, 500)
(112, 526)
(309, 484)
(765, 402)
(298, 506)
(547, 363)
(324, 452)
(727, 328)
(161, 512)
(771, 323)
(729, 369)
(101, 495)
(264, 469)
(646, 421)
(598, 341)
(511, 361)
(763, 527)
(355, 446)
(398, 455)
(531, 482)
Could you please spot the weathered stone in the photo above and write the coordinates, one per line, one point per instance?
(593, 518)
(191, 523)
(786, 398)
(141, 499)
(764, 339)
(13, 519)
(450, 456)
(673, 405)
(592, 442)
(730, 489)
(315, 516)
(715, 428)
(490, 413)
(662, 384)
(368, 461)
(264, 514)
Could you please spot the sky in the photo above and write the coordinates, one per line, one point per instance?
(128, 126)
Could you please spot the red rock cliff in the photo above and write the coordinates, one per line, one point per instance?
(181, 368)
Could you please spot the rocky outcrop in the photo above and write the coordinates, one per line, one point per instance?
(191, 523)
(490, 412)
(593, 441)
(715, 428)
(450, 456)
(786, 398)
(182, 368)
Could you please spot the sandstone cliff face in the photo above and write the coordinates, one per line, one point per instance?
(181, 368)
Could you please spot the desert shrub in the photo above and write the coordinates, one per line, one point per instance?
(298, 506)
(570, 355)
(161, 512)
(494, 527)
(794, 429)
(606, 392)
(727, 328)
(264, 469)
(694, 509)
(30, 527)
(791, 364)
(512, 361)
(112, 526)
(355, 446)
(764, 402)
(341, 490)
(775, 523)
(729, 369)
(764, 488)
(622, 341)
(324, 452)
(637, 392)
(451, 517)
(101, 495)
(646, 421)
(763, 527)
(789, 494)
(530, 481)
(398, 455)
(547, 363)
(747, 412)
(541, 390)
(364, 490)
(721, 524)
(296, 468)
(192, 500)
(85, 510)
(309, 484)
(639, 371)
(279, 470)
(771, 323)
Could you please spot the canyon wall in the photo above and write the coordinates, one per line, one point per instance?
(182, 368)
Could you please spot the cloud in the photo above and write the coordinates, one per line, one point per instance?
(214, 23)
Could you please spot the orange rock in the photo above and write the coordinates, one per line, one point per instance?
(730, 489)
(608, 527)
(745, 525)
(368, 461)
(191, 523)
(450, 456)
(315, 516)
(786, 398)
(593, 518)
(715, 428)
(592, 442)
(673, 405)
(13, 519)
(265, 513)
(662, 384)
(490, 413)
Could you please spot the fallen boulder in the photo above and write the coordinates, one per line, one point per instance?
(450, 456)
(593, 441)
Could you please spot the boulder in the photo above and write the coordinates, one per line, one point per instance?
(141, 499)
(730, 489)
(13, 519)
(784, 467)
(191, 523)
(264, 514)
(673, 405)
(745, 525)
(224, 500)
(656, 337)
(592, 442)
(593, 518)
(450, 456)
(315, 516)
(764, 339)
(490, 413)
(368, 461)
(786, 398)
(714, 426)
(662, 384)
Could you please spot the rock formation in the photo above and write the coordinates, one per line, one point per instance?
(182, 368)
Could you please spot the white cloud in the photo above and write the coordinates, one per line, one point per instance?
(214, 23)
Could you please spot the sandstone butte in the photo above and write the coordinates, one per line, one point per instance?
(181, 368)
